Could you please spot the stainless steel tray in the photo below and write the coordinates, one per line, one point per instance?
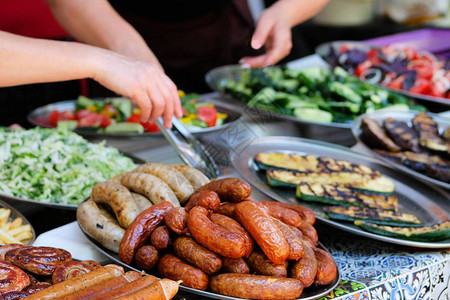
(16, 214)
(427, 202)
(217, 77)
(405, 116)
(323, 50)
(310, 293)
(39, 117)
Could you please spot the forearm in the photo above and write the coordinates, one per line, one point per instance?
(298, 11)
(28, 60)
(95, 22)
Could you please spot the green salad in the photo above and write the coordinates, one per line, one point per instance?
(55, 166)
(313, 94)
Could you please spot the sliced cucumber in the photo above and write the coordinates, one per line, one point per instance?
(313, 114)
(124, 127)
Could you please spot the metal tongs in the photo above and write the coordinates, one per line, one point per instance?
(191, 151)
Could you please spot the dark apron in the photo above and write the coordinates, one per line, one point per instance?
(188, 49)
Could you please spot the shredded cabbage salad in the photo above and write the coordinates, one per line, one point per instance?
(55, 166)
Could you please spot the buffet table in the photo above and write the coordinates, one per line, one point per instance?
(369, 269)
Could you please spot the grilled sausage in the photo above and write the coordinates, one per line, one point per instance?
(214, 237)
(261, 265)
(176, 220)
(235, 265)
(284, 214)
(305, 268)
(160, 238)
(146, 257)
(326, 267)
(263, 230)
(296, 246)
(172, 267)
(206, 198)
(229, 189)
(195, 177)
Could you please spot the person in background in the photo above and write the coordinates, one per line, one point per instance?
(115, 54)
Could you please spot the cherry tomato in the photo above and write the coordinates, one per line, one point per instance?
(53, 117)
(207, 115)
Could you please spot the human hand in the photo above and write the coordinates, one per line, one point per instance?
(273, 30)
(144, 83)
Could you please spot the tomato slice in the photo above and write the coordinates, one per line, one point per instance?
(207, 115)
(105, 121)
(421, 86)
(150, 127)
(66, 115)
(53, 117)
(134, 118)
(92, 120)
(80, 114)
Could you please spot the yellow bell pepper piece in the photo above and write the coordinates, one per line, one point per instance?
(92, 108)
(222, 116)
(181, 93)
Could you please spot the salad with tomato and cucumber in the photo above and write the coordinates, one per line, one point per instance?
(117, 115)
(398, 68)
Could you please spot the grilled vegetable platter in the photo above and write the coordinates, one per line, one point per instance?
(308, 95)
(172, 221)
(348, 190)
(416, 143)
(401, 68)
(116, 117)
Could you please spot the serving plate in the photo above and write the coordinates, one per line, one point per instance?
(39, 117)
(310, 293)
(429, 203)
(216, 79)
(327, 51)
(405, 116)
(16, 214)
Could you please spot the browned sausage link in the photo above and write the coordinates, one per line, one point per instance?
(326, 267)
(206, 198)
(256, 286)
(305, 269)
(141, 228)
(261, 265)
(160, 238)
(214, 237)
(306, 213)
(285, 215)
(309, 231)
(234, 226)
(146, 257)
(235, 265)
(263, 230)
(227, 209)
(295, 244)
(229, 189)
(187, 249)
(306, 241)
(174, 268)
(176, 220)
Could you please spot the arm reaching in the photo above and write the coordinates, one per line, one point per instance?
(273, 29)
(28, 60)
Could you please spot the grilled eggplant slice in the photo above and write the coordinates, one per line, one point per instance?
(425, 125)
(375, 137)
(309, 163)
(371, 215)
(336, 195)
(432, 233)
(396, 157)
(419, 161)
(286, 161)
(446, 134)
(403, 135)
(374, 184)
(439, 172)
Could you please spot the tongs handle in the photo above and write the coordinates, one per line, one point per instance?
(190, 150)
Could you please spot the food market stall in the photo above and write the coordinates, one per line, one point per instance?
(373, 261)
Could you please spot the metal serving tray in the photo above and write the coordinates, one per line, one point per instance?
(429, 203)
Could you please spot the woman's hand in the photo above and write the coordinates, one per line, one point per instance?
(273, 29)
(142, 82)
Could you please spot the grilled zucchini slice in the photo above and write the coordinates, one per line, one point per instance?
(432, 233)
(371, 215)
(286, 161)
(342, 196)
(373, 184)
(309, 163)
